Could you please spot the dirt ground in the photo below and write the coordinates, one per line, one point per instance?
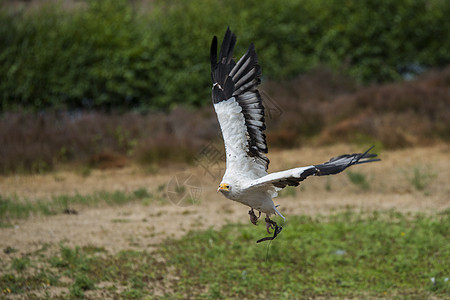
(142, 227)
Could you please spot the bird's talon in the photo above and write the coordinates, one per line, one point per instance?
(270, 225)
(253, 217)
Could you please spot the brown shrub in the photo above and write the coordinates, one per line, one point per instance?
(302, 102)
(108, 160)
(36, 143)
(320, 107)
(398, 115)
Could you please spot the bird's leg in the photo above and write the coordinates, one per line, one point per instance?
(253, 217)
(270, 224)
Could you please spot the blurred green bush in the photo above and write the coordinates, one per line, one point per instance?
(109, 54)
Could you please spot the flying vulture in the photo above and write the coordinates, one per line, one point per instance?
(240, 112)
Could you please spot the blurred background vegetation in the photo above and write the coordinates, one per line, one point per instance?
(115, 54)
(343, 70)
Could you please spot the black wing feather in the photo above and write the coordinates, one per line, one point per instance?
(295, 181)
(342, 162)
(220, 71)
(331, 167)
(240, 81)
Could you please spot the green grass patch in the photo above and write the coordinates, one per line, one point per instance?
(16, 208)
(120, 221)
(421, 177)
(20, 264)
(347, 255)
(328, 186)
(359, 179)
(82, 283)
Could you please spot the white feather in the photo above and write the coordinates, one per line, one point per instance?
(242, 169)
(234, 132)
(277, 176)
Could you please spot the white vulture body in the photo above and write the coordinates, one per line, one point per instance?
(240, 113)
(241, 169)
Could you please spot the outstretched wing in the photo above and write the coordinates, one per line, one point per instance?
(239, 108)
(333, 166)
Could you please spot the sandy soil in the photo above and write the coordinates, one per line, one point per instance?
(136, 226)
